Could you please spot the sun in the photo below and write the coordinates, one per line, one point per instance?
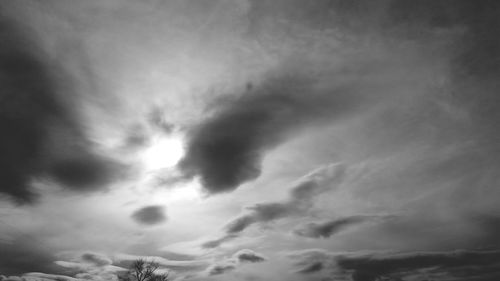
(163, 152)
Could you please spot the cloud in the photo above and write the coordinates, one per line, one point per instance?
(300, 199)
(226, 149)
(177, 265)
(240, 223)
(247, 255)
(83, 266)
(150, 215)
(96, 258)
(86, 172)
(374, 265)
(27, 106)
(230, 264)
(328, 228)
(89, 266)
(221, 267)
(217, 242)
(38, 276)
(41, 131)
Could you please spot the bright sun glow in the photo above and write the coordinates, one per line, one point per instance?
(163, 152)
(189, 192)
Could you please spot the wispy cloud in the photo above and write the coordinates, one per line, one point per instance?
(300, 201)
(238, 258)
(325, 229)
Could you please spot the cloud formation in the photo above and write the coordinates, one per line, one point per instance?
(462, 264)
(221, 267)
(226, 149)
(247, 255)
(175, 265)
(301, 198)
(150, 215)
(433, 142)
(300, 201)
(90, 266)
(38, 276)
(42, 134)
(96, 258)
(28, 103)
(238, 258)
(326, 229)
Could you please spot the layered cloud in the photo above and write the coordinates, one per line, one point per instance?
(164, 263)
(459, 264)
(91, 266)
(325, 229)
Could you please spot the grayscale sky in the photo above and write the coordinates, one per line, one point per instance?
(327, 140)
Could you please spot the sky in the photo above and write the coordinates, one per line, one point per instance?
(327, 140)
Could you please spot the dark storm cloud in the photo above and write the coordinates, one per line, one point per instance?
(27, 105)
(328, 228)
(463, 264)
(226, 149)
(150, 215)
(41, 134)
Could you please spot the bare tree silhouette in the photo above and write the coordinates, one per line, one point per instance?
(142, 270)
